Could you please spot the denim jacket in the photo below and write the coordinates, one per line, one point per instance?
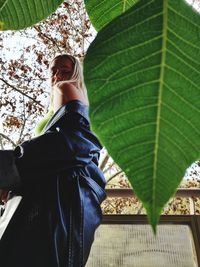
(62, 188)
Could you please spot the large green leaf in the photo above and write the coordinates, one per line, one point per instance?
(19, 14)
(143, 77)
(102, 12)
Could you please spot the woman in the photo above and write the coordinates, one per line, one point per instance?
(59, 181)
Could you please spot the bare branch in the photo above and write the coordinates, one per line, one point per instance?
(47, 37)
(114, 175)
(19, 91)
(103, 164)
(8, 139)
(24, 121)
(1, 143)
(109, 167)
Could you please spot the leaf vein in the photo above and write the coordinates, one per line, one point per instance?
(183, 40)
(183, 53)
(182, 117)
(122, 114)
(125, 149)
(132, 128)
(183, 76)
(181, 134)
(124, 31)
(184, 62)
(126, 49)
(121, 93)
(175, 145)
(182, 98)
(185, 18)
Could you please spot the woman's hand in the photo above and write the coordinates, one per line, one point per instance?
(64, 92)
(64, 86)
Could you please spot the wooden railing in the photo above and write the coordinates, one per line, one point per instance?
(127, 192)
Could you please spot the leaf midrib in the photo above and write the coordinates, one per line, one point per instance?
(160, 90)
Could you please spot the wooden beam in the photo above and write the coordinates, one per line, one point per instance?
(128, 192)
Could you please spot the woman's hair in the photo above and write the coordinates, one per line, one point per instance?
(77, 75)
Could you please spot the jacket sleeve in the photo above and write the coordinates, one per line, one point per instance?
(67, 143)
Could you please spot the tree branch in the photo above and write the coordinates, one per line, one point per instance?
(22, 93)
(103, 163)
(8, 139)
(113, 176)
(109, 167)
(47, 37)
